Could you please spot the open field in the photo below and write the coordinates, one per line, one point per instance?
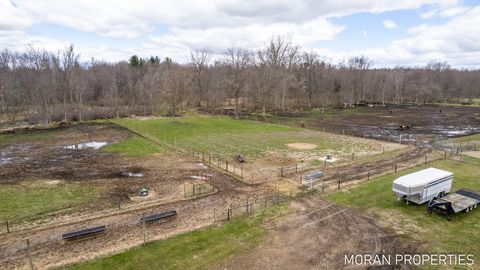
(434, 233)
(265, 147)
(93, 173)
(382, 122)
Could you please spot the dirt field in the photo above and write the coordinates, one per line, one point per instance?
(317, 235)
(382, 122)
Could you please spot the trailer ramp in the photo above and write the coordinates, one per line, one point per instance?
(453, 203)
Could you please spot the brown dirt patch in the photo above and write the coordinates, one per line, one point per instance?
(317, 235)
(475, 154)
(302, 146)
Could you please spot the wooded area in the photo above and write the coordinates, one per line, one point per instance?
(41, 86)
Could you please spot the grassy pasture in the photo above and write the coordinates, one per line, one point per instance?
(32, 199)
(28, 136)
(226, 137)
(466, 139)
(134, 146)
(434, 232)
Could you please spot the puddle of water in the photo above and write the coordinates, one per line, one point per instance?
(80, 146)
(5, 160)
(201, 165)
(199, 177)
(130, 174)
(455, 132)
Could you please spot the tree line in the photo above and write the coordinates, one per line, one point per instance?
(40, 86)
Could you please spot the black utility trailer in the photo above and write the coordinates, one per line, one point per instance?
(453, 203)
(83, 233)
(158, 217)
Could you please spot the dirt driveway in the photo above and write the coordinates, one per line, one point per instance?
(317, 235)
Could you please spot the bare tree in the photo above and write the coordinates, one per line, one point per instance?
(236, 62)
(200, 60)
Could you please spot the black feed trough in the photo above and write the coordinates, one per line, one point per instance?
(157, 217)
(83, 233)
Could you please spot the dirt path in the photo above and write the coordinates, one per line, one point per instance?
(317, 235)
(355, 172)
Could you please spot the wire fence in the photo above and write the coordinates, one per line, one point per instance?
(249, 206)
(192, 190)
(453, 147)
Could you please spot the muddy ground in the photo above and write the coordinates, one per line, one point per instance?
(317, 235)
(62, 157)
(165, 173)
(382, 122)
(69, 156)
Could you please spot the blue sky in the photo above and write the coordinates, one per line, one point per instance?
(418, 31)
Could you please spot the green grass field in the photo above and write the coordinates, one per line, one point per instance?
(28, 136)
(135, 146)
(471, 138)
(200, 249)
(459, 235)
(226, 137)
(34, 199)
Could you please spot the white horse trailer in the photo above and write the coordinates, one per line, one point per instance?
(422, 186)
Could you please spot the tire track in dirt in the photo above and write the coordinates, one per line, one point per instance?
(354, 172)
(317, 235)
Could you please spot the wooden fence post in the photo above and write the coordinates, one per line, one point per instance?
(8, 227)
(29, 254)
(396, 166)
(144, 229)
(353, 156)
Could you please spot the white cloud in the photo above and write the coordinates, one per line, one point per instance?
(251, 36)
(389, 24)
(219, 24)
(131, 19)
(454, 41)
(12, 18)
